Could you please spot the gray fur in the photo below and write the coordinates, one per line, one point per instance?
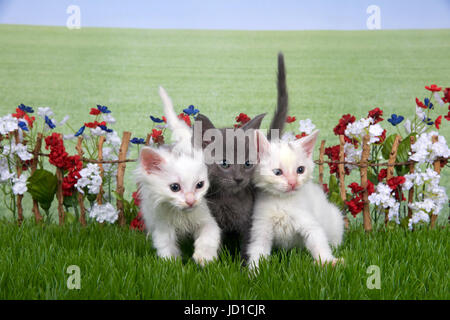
(231, 202)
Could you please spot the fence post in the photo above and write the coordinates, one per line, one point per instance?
(437, 168)
(80, 151)
(19, 173)
(121, 173)
(60, 195)
(36, 151)
(147, 140)
(391, 165)
(100, 159)
(341, 170)
(367, 222)
(412, 139)
(321, 153)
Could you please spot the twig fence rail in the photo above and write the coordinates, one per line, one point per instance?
(122, 161)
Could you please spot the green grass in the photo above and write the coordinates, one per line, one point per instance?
(121, 264)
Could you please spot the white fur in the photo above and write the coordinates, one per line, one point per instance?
(288, 218)
(167, 215)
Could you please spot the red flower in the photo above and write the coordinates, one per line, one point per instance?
(164, 119)
(242, 119)
(421, 104)
(299, 136)
(356, 188)
(135, 196)
(290, 119)
(94, 124)
(343, 122)
(95, 112)
(355, 205)
(376, 114)
(333, 155)
(394, 182)
(325, 188)
(186, 118)
(381, 137)
(447, 117)
(433, 88)
(19, 113)
(382, 174)
(29, 120)
(137, 223)
(437, 122)
(446, 97)
(157, 136)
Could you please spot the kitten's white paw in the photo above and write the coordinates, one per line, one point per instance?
(202, 257)
(333, 262)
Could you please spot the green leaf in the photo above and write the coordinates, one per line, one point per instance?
(336, 199)
(372, 176)
(42, 186)
(387, 146)
(333, 184)
(70, 217)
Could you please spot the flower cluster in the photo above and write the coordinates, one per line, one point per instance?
(305, 128)
(383, 199)
(60, 159)
(430, 197)
(241, 119)
(104, 212)
(356, 204)
(425, 151)
(90, 177)
(138, 222)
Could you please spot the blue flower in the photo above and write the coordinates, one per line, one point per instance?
(25, 108)
(190, 110)
(23, 126)
(104, 128)
(157, 120)
(428, 121)
(428, 103)
(395, 120)
(137, 141)
(80, 131)
(49, 122)
(103, 109)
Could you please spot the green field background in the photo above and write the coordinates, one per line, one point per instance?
(222, 73)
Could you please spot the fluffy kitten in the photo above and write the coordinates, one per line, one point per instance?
(172, 182)
(232, 195)
(290, 210)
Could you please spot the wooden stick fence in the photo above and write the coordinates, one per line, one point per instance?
(363, 165)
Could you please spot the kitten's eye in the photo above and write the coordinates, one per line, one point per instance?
(200, 185)
(175, 187)
(300, 169)
(247, 164)
(277, 172)
(224, 164)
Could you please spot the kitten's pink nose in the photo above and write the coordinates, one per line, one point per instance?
(292, 183)
(189, 199)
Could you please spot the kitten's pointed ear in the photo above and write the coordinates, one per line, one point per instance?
(307, 143)
(262, 144)
(150, 160)
(203, 122)
(255, 123)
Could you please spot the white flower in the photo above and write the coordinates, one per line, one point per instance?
(22, 152)
(64, 120)
(375, 131)
(104, 212)
(98, 131)
(43, 112)
(425, 151)
(438, 98)
(288, 136)
(20, 185)
(108, 118)
(8, 124)
(407, 126)
(113, 139)
(69, 137)
(5, 174)
(90, 178)
(418, 216)
(351, 155)
(420, 113)
(306, 126)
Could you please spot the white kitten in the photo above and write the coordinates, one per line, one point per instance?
(290, 210)
(172, 182)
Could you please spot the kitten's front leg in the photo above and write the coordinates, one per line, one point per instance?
(207, 242)
(165, 241)
(261, 239)
(315, 241)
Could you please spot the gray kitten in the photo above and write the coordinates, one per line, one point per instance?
(231, 194)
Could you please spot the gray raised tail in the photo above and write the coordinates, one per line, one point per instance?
(279, 118)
